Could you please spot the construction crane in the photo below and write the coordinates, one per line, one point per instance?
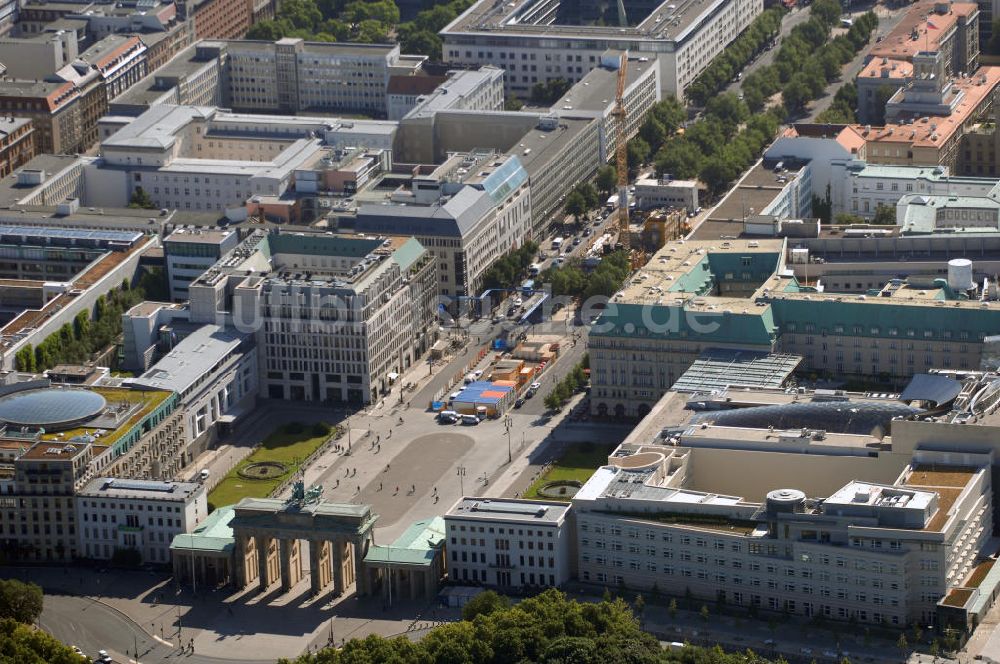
(621, 148)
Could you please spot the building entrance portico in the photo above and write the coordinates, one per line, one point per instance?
(273, 538)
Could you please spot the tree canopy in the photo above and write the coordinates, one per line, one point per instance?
(20, 601)
(732, 132)
(548, 629)
(22, 644)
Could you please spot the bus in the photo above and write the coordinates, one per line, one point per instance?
(528, 286)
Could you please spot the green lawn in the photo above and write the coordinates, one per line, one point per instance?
(578, 463)
(283, 446)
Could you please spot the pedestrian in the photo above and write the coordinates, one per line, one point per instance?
(397, 490)
(359, 489)
(337, 484)
(347, 471)
(354, 472)
(379, 486)
(387, 468)
(413, 488)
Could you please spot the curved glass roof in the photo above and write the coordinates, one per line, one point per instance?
(857, 417)
(50, 407)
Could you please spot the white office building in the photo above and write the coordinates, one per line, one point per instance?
(136, 515)
(528, 39)
(214, 371)
(508, 543)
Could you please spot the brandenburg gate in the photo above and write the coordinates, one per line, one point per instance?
(269, 534)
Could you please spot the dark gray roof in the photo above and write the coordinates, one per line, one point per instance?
(456, 217)
(939, 390)
(857, 417)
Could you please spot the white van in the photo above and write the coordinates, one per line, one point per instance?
(470, 419)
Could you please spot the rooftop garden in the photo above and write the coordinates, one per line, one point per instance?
(150, 401)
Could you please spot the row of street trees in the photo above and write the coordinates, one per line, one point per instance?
(508, 270)
(808, 59)
(564, 390)
(603, 281)
(732, 132)
(736, 56)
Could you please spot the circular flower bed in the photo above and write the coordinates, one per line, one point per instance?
(262, 470)
(560, 489)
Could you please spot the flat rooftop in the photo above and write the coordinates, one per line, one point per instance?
(680, 271)
(887, 68)
(672, 20)
(538, 148)
(526, 511)
(911, 35)
(934, 131)
(947, 481)
(596, 90)
(760, 187)
(112, 487)
(207, 236)
(190, 359)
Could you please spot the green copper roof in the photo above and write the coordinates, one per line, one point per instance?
(212, 534)
(883, 320)
(408, 254)
(321, 245)
(416, 546)
(756, 327)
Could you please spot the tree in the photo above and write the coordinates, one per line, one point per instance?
(423, 42)
(140, 199)
(846, 219)
(512, 103)
(882, 95)
(484, 604)
(885, 216)
(796, 93)
(639, 607)
(21, 644)
(576, 204)
(729, 108)
(638, 153)
(20, 601)
(935, 647)
(552, 401)
(589, 193)
(607, 179)
(903, 644)
(672, 608)
(704, 612)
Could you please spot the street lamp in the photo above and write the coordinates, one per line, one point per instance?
(507, 422)
(461, 479)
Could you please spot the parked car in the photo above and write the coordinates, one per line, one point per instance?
(519, 402)
(470, 419)
(576, 241)
(535, 386)
(477, 374)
